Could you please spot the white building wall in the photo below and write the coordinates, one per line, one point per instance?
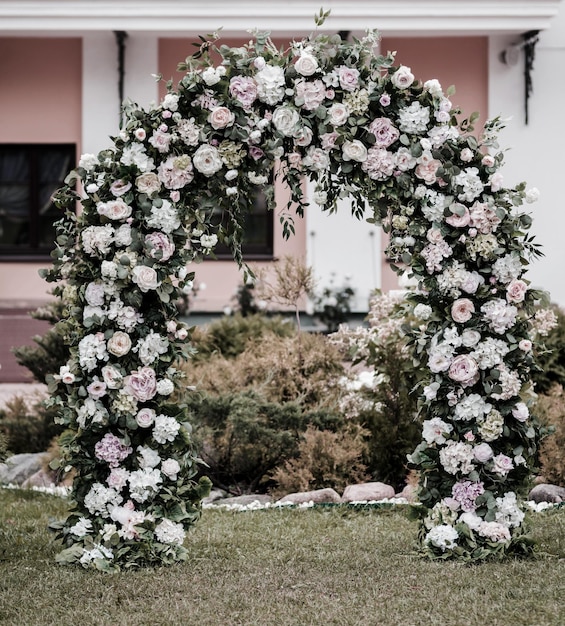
(343, 250)
(536, 150)
(101, 102)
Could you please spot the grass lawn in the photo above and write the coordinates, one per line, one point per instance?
(336, 566)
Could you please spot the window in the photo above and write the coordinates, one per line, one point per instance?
(29, 174)
(258, 232)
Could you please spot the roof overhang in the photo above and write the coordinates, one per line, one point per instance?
(172, 18)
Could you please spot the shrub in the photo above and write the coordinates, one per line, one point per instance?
(28, 425)
(325, 458)
(243, 438)
(551, 360)
(3, 447)
(50, 351)
(332, 305)
(231, 335)
(550, 408)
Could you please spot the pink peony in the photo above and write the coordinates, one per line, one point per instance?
(141, 384)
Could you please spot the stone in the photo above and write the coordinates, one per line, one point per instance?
(318, 496)
(39, 479)
(20, 467)
(246, 499)
(408, 493)
(547, 493)
(366, 492)
(215, 494)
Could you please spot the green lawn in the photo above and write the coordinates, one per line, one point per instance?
(337, 566)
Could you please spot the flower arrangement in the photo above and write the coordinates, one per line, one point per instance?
(357, 125)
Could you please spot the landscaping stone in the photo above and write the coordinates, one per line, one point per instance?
(39, 479)
(215, 495)
(365, 492)
(246, 499)
(408, 493)
(547, 493)
(18, 468)
(318, 496)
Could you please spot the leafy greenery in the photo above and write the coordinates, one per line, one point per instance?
(339, 566)
(551, 360)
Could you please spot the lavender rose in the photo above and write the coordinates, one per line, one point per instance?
(141, 384)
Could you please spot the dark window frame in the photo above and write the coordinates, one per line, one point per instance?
(35, 249)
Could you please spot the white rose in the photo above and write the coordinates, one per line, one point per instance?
(338, 114)
(207, 160)
(306, 64)
(145, 277)
(210, 76)
(114, 209)
(434, 87)
(119, 344)
(354, 151)
(402, 78)
(112, 377)
(285, 120)
(170, 467)
(532, 195)
(221, 117)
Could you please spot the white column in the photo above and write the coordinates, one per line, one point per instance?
(101, 102)
(535, 152)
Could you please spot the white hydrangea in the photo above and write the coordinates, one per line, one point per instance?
(443, 536)
(165, 429)
(507, 268)
(164, 218)
(99, 498)
(135, 154)
(144, 483)
(471, 407)
(151, 347)
(500, 315)
(81, 528)
(148, 457)
(168, 531)
(457, 457)
(91, 350)
(435, 430)
(470, 183)
(96, 240)
(508, 511)
(490, 352)
(414, 118)
(98, 552)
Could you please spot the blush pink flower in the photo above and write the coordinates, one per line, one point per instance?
(141, 384)
(516, 290)
(464, 370)
(462, 310)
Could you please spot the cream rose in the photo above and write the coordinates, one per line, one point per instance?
(145, 278)
(148, 183)
(114, 209)
(338, 114)
(119, 344)
(354, 151)
(171, 468)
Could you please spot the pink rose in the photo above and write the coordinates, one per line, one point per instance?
(462, 310)
(119, 187)
(384, 100)
(112, 377)
(96, 389)
(160, 246)
(348, 77)
(114, 209)
(338, 114)
(520, 412)
(141, 384)
(516, 290)
(145, 417)
(221, 117)
(459, 219)
(502, 464)
(426, 170)
(294, 159)
(244, 90)
(488, 160)
(464, 370)
(384, 131)
(525, 345)
(139, 134)
(309, 94)
(402, 78)
(466, 155)
(328, 140)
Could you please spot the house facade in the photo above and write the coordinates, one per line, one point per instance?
(65, 67)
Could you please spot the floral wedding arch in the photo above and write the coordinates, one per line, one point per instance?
(359, 127)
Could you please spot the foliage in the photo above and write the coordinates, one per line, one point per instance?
(3, 447)
(27, 425)
(325, 458)
(332, 305)
(50, 352)
(381, 397)
(231, 335)
(550, 409)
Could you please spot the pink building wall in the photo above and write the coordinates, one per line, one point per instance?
(44, 108)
